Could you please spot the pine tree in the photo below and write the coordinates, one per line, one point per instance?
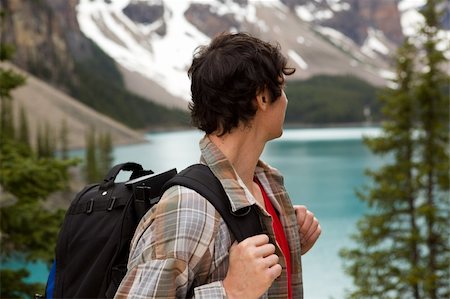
(433, 174)
(9, 80)
(105, 158)
(64, 141)
(98, 156)
(379, 266)
(91, 158)
(403, 242)
(45, 142)
(6, 113)
(49, 141)
(24, 131)
(27, 230)
(40, 143)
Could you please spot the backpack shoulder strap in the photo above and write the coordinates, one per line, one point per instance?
(199, 177)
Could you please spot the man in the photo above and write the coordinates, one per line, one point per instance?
(182, 247)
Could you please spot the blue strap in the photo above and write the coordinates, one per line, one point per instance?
(51, 281)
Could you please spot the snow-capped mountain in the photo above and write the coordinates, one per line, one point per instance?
(153, 40)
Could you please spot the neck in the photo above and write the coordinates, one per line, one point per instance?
(242, 147)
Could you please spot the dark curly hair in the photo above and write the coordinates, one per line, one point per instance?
(226, 76)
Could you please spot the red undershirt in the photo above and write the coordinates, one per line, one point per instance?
(279, 234)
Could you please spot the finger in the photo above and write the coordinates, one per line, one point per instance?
(265, 250)
(271, 260)
(300, 212)
(316, 235)
(257, 240)
(275, 271)
(311, 241)
(305, 248)
(312, 229)
(307, 223)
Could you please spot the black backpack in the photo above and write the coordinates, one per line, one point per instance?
(94, 241)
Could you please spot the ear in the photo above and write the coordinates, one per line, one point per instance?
(262, 99)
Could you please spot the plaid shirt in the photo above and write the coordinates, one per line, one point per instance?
(182, 243)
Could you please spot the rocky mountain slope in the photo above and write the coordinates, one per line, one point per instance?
(156, 38)
(151, 43)
(46, 105)
(48, 44)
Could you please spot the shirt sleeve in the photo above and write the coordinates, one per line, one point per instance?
(172, 250)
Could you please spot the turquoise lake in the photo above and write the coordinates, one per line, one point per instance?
(322, 169)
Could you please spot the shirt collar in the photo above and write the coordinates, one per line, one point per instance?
(238, 194)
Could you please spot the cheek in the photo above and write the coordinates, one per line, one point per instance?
(285, 104)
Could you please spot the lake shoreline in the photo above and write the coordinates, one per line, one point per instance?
(286, 126)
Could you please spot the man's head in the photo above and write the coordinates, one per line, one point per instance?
(226, 77)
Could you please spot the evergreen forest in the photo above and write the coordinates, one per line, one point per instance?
(328, 100)
(402, 244)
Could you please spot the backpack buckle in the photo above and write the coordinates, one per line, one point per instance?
(112, 201)
(90, 206)
(242, 211)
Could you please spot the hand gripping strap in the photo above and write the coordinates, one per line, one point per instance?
(199, 177)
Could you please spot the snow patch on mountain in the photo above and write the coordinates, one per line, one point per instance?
(241, 13)
(297, 59)
(338, 6)
(336, 37)
(309, 13)
(143, 51)
(320, 10)
(373, 45)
